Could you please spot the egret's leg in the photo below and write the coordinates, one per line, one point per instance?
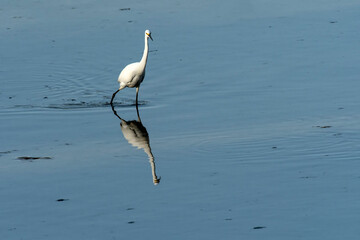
(111, 102)
(115, 113)
(137, 94)
(137, 111)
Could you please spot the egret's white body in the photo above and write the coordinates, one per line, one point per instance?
(133, 74)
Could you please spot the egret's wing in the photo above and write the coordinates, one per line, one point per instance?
(128, 73)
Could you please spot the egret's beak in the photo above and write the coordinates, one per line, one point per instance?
(150, 37)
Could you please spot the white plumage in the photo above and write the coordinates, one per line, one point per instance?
(133, 74)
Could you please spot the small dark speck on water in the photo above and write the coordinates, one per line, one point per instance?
(131, 222)
(62, 200)
(32, 158)
(333, 21)
(259, 227)
(307, 177)
(274, 147)
(124, 9)
(130, 208)
(323, 126)
(228, 219)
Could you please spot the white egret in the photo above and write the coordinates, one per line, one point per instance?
(133, 74)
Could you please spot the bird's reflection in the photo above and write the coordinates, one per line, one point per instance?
(135, 133)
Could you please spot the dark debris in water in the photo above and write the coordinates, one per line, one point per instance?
(32, 158)
(131, 222)
(307, 177)
(81, 104)
(124, 9)
(259, 227)
(128, 103)
(74, 104)
(62, 199)
(323, 126)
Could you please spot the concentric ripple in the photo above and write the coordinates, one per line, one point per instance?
(62, 85)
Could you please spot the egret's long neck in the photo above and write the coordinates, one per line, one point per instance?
(145, 55)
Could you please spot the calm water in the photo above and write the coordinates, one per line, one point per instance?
(249, 121)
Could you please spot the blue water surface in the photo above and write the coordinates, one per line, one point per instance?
(248, 120)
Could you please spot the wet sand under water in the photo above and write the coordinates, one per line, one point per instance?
(247, 125)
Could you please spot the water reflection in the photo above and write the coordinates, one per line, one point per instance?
(135, 133)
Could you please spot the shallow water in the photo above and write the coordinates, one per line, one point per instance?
(249, 121)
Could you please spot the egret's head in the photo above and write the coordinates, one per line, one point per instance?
(148, 34)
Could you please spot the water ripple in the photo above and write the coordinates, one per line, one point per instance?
(82, 105)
